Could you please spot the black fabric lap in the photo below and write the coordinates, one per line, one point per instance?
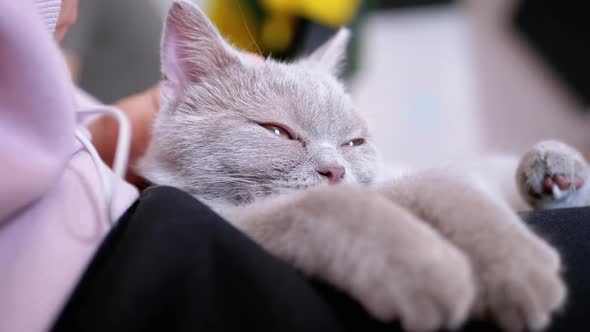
(172, 264)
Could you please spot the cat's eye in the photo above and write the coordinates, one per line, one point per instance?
(355, 142)
(277, 130)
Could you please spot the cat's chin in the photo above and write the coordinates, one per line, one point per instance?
(295, 187)
(249, 197)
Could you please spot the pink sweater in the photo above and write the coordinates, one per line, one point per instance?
(52, 206)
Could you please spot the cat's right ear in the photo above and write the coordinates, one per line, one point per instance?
(332, 54)
(192, 48)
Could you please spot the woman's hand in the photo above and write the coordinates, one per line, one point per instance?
(141, 110)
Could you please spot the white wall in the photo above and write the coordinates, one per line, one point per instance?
(444, 83)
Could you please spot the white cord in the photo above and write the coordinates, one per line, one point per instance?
(121, 154)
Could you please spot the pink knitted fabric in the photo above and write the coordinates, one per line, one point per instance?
(49, 12)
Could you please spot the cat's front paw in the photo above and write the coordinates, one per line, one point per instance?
(428, 292)
(553, 175)
(522, 288)
(394, 264)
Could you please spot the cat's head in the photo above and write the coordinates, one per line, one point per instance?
(232, 129)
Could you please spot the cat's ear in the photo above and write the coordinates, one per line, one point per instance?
(332, 54)
(192, 48)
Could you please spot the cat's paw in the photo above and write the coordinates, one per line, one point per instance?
(395, 265)
(522, 288)
(518, 274)
(428, 292)
(553, 175)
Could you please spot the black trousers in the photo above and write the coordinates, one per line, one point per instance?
(171, 264)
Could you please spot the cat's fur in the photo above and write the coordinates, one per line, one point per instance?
(554, 175)
(429, 249)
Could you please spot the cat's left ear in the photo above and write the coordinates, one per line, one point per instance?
(332, 54)
(192, 48)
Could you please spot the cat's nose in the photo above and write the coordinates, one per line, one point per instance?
(334, 173)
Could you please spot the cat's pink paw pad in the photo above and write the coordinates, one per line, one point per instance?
(562, 182)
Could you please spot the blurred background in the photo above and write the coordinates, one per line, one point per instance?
(439, 81)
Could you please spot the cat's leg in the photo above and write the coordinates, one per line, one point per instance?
(517, 273)
(398, 267)
(553, 175)
(495, 175)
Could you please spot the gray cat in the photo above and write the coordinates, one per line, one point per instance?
(280, 151)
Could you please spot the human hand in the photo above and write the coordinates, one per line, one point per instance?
(140, 109)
